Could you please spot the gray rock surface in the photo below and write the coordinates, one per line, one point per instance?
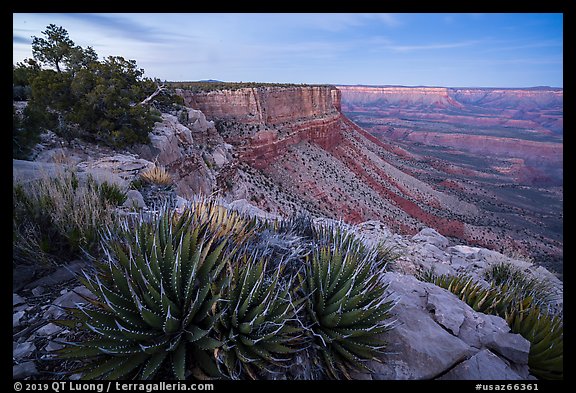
(17, 299)
(437, 335)
(134, 199)
(68, 299)
(512, 346)
(16, 317)
(484, 365)
(419, 348)
(23, 370)
(22, 350)
(49, 330)
(126, 166)
(60, 275)
(431, 236)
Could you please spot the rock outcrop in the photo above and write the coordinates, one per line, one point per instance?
(434, 334)
(190, 152)
(438, 336)
(265, 105)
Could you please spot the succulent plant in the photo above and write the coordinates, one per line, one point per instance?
(219, 218)
(507, 274)
(346, 306)
(257, 322)
(156, 296)
(545, 332)
(513, 298)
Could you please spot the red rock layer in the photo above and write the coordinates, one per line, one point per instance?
(265, 146)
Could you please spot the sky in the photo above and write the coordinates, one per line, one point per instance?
(451, 50)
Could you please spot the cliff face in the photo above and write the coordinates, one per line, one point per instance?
(452, 97)
(266, 105)
(296, 151)
(398, 95)
(283, 116)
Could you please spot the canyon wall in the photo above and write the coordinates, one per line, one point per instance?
(396, 95)
(296, 151)
(529, 98)
(265, 105)
(285, 116)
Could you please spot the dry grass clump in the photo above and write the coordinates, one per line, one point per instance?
(58, 216)
(156, 175)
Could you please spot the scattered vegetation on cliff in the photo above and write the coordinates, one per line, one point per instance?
(204, 87)
(524, 303)
(73, 94)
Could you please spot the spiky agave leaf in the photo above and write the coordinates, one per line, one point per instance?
(504, 273)
(155, 299)
(346, 306)
(256, 323)
(510, 298)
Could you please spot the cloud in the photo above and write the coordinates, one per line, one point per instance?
(124, 26)
(340, 22)
(16, 39)
(425, 47)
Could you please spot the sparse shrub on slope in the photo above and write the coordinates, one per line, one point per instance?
(56, 218)
(521, 301)
(507, 274)
(157, 175)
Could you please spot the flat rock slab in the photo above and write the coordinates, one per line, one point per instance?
(22, 350)
(49, 330)
(24, 370)
(63, 273)
(68, 299)
(419, 347)
(16, 317)
(17, 300)
(485, 365)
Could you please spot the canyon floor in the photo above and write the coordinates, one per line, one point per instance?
(501, 151)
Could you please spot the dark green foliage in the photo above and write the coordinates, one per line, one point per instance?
(216, 86)
(21, 93)
(156, 297)
(202, 294)
(112, 193)
(99, 101)
(54, 49)
(507, 274)
(346, 305)
(24, 72)
(257, 324)
(519, 300)
(26, 129)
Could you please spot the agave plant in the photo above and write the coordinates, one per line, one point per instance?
(507, 274)
(156, 175)
(480, 298)
(256, 322)
(546, 335)
(156, 297)
(346, 307)
(512, 300)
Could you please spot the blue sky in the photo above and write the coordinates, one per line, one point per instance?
(454, 50)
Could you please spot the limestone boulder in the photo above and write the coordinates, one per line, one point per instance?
(431, 236)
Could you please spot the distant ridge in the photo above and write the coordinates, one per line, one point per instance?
(455, 87)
